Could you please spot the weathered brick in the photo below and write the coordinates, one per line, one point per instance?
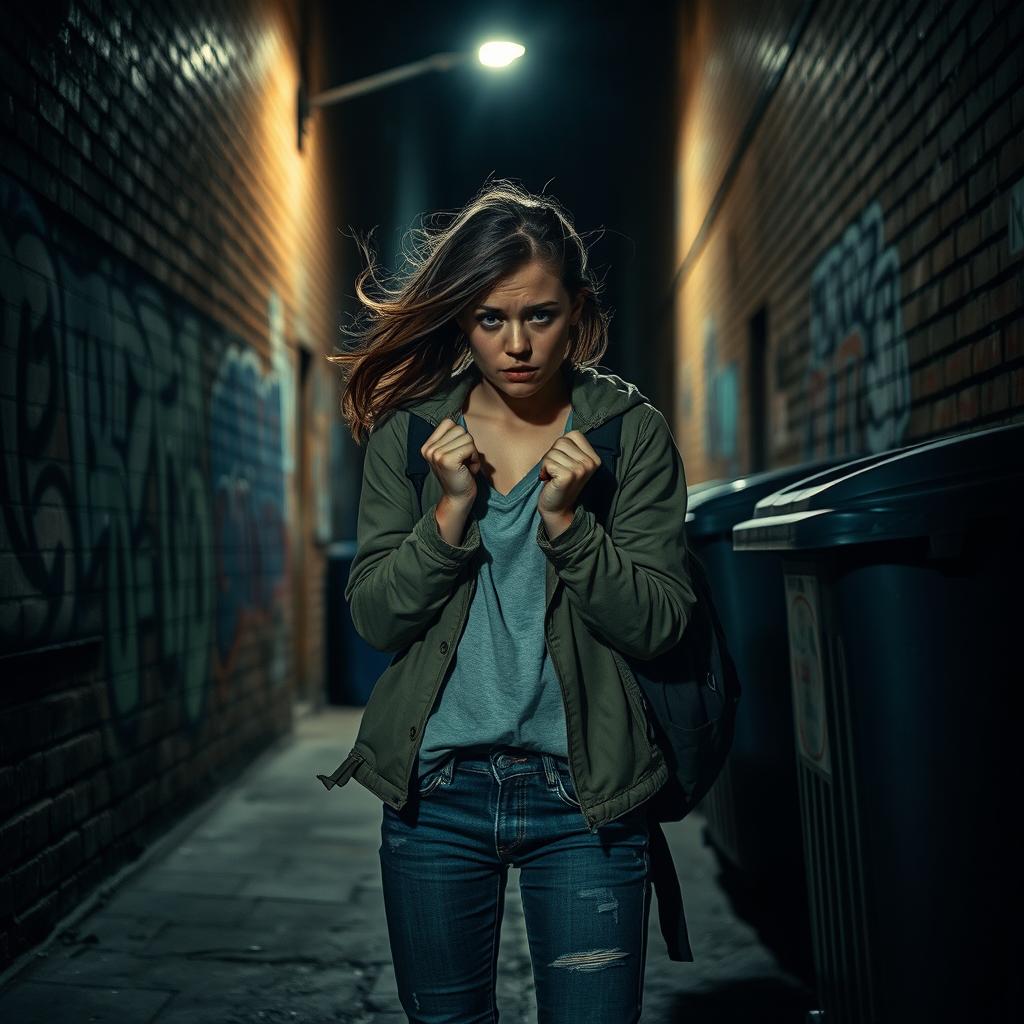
(36, 922)
(35, 827)
(969, 318)
(69, 853)
(995, 395)
(26, 882)
(1013, 339)
(82, 799)
(968, 236)
(980, 21)
(6, 901)
(967, 404)
(943, 413)
(956, 367)
(1017, 388)
(11, 832)
(927, 381)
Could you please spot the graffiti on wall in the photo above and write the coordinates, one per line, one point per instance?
(142, 468)
(858, 382)
(721, 402)
(248, 486)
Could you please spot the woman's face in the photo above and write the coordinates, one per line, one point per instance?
(523, 322)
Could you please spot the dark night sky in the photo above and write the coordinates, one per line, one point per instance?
(586, 114)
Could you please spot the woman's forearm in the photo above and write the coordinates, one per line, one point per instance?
(451, 519)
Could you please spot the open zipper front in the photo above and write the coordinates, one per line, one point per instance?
(635, 696)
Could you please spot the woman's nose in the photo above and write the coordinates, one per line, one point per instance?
(517, 342)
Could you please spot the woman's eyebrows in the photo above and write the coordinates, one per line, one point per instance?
(536, 305)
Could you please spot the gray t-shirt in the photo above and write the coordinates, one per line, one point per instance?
(502, 687)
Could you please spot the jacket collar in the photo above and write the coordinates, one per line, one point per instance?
(597, 395)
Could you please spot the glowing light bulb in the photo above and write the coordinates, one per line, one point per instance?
(499, 54)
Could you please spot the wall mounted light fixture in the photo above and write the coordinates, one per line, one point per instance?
(494, 54)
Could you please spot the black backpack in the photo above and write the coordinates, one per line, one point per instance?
(691, 691)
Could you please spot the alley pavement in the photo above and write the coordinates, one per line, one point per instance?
(264, 906)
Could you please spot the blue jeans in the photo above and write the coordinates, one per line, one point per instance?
(586, 895)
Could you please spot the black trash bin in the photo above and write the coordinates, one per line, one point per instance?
(752, 814)
(901, 578)
(752, 810)
(352, 664)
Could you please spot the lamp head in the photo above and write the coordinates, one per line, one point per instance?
(500, 53)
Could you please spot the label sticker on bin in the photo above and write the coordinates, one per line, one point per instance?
(803, 613)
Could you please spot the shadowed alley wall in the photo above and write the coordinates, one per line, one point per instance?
(167, 270)
(850, 202)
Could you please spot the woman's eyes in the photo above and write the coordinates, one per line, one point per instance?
(492, 316)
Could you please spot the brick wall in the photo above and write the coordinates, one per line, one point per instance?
(166, 274)
(850, 224)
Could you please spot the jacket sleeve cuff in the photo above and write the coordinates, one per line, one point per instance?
(579, 529)
(428, 533)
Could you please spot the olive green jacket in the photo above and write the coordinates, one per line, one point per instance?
(626, 591)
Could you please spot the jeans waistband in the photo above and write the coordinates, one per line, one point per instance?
(503, 756)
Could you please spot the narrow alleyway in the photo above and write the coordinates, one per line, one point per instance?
(265, 906)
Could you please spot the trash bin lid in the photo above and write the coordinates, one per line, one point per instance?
(719, 505)
(694, 489)
(922, 490)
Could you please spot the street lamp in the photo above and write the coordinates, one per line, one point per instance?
(493, 54)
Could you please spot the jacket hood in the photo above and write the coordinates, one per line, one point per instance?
(597, 395)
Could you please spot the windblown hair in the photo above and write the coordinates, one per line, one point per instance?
(407, 341)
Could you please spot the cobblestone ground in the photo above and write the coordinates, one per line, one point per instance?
(266, 907)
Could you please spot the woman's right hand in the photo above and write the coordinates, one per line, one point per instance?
(452, 456)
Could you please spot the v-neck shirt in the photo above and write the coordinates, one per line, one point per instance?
(501, 686)
(525, 482)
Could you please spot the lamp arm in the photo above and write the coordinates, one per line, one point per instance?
(435, 62)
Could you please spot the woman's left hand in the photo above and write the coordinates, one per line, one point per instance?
(568, 464)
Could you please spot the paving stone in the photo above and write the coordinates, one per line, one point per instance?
(292, 887)
(39, 1002)
(133, 900)
(298, 995)
(191, 883)
(213, 855)
(134, 970)
(115, 932)
(345, 931)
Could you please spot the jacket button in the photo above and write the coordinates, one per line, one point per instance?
(444, 647)
(412, 732)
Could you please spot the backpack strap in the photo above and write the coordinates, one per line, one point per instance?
(671, 915)
(601, 487)
(416, 467)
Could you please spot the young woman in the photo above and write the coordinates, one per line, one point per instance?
(508, 729)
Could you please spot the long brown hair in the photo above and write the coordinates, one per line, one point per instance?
(408, 343)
